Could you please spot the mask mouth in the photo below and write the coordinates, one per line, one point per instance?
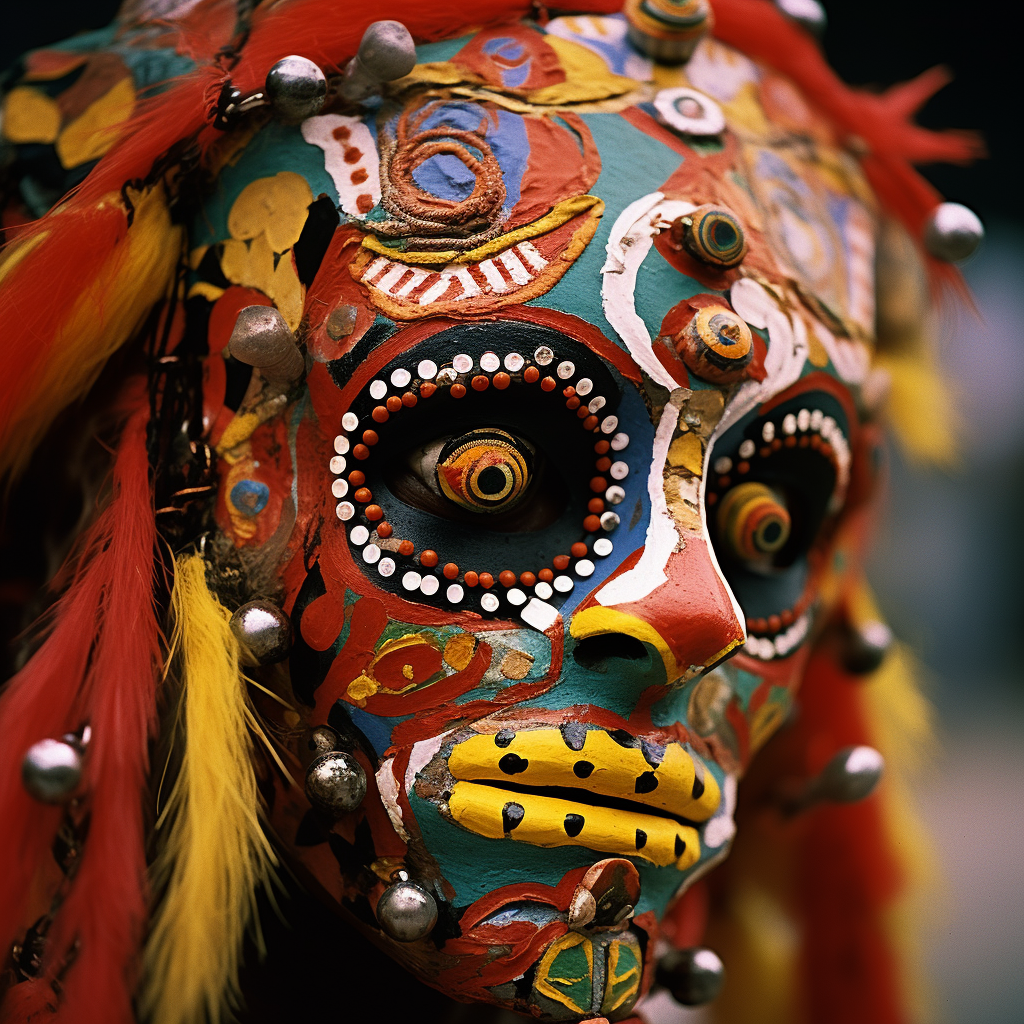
(579, 785)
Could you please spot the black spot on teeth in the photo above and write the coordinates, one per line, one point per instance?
(698, 787)
(573, 825)
(623, 738)
(574, 735)
(680, 846)
(641, 838)
(504, 738)
(582, 769)
(646, 783)
(513, 764)
(511, 815)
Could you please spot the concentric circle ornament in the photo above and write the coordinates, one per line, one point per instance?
(717, 345)
(689, 112)
(711, 234)
(754, 522)
(484, 470)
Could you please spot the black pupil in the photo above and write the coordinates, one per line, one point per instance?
(723, 234)
(772, 531)
(491, 480)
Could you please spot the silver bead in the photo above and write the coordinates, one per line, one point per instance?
(693, 976)
(406, 911)
(296, 88)
(386, 53)
(865, 647)
(953, 232)
(52, 770)
(335, 783)
(264, 630)
(317, 742)
(808, 13)
(851, 775)
(262, 339)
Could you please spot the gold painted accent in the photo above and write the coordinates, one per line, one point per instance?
(274, 207)
(251, 264)
(208, 291)
(614, 978)
(195, 257)
(360, 688)
(516, 665)
(616, 769)
(596, 620)
(560, 214)
(479, 809)
(816, 354)
(686, 451)
(587, 77)
(93, 132)
(30, 116)
(543, 985)
(459, 650)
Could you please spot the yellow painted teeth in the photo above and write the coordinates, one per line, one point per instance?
(541, 758)
(550, 821)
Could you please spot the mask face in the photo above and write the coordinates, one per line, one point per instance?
(571, 488)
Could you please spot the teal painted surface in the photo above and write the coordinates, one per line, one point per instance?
(276, 148)
(434, 53)
(743, 686)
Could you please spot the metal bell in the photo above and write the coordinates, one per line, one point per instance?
(52, 770)
(693, 976)
(386, 53)
(808, 13)
(317, 742)
(851, 775)
(865, 647)
(264, 630)
(335, 783)
(406, 911)
(953, 232)
(296, 88)
(262, 339)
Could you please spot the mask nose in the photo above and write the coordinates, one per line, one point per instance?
(690, 618)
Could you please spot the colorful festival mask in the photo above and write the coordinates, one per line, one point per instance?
(498, 403)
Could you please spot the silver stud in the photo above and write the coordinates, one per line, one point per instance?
(52, 770)
(406, 911)
(262, 339)
(335, 783)
(693, 976)
(953, 232)
(865, 647)
(489, 602)
(851, 775)
(609, 520)
(296, 88)
(317, 742)
(386, 53)
(263, 630)
(808, 13)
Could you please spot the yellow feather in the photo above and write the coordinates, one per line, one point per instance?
(215, 855)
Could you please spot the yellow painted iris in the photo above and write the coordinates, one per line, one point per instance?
(754, 522)
(484, 470)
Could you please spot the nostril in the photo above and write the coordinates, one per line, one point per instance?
(596, 652)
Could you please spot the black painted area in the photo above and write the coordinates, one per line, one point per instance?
(646, 783)
(573, 824)
(601, 653)
(311, 831)
(582, 769)
(680, 846)
(342, 368)
(504, 737)
(641, 838)
(623, 738)
(511, 815)
(321, 220)
(698, 787)
(513, 764)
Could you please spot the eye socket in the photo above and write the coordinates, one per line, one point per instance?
(485, 470)
(754, 523)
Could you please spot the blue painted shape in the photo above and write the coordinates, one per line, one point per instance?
(376, 728)
(509, 49)
(447, 177)
(250, 497)
(277, 147)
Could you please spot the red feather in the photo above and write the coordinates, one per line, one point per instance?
(99, 665)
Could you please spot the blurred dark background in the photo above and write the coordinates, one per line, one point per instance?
(950, 558)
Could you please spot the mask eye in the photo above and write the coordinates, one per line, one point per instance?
(754, 523)
(485, 470)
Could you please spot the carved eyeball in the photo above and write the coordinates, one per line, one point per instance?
(716, 345)
(754, 522)
(711, 234)
(484, 470)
